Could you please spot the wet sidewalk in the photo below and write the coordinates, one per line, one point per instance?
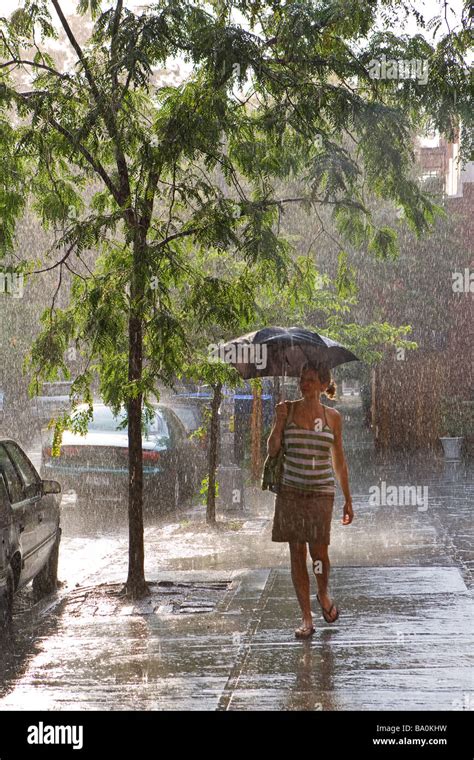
(217, 631)
(398, 645)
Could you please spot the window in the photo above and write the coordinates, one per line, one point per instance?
(104, 421)
(176, 426)
(158, 426)
(189, 417)
(4, 502)
(430, 174)
(10, 475)
(27, 472)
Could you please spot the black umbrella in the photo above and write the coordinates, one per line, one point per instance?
(274, 351)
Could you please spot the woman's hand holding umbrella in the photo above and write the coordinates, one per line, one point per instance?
(281, 410)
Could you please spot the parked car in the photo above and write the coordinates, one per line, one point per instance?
(53, 401)
(190, 408)
(95, 466)
(189, 414)
(29, 528)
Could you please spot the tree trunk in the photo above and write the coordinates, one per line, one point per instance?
(136, 586)
(213, 450)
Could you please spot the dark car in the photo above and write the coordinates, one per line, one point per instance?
(191, 410)
(95, 466)
(190, 415)
(29, 528)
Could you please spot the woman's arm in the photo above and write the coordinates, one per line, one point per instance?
(275, 437)
(340, 467)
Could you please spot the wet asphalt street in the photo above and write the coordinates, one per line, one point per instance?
(217, 631)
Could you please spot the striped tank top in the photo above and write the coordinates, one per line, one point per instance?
(307, 457)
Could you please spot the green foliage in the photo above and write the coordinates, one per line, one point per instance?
(345, 278)
(12, 194)
(205, 488)
(384, 244)
(369, 342)
(211, 372)
(457, 417)
(91, 6)
(164, 204)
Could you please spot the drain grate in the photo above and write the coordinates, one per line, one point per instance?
(166, 598)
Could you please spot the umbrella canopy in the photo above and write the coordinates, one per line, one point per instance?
(274, 351)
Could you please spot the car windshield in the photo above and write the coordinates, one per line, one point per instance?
(188, 417)
(105, 422)
(158, 427)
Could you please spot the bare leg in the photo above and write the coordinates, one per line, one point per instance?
(300, 578)
(319, 554)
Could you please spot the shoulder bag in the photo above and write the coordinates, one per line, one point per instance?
(273, 466)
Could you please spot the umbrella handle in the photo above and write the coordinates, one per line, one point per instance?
(283, 377)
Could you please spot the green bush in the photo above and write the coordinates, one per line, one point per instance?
(457, 416)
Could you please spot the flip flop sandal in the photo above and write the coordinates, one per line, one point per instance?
(327, 613)
(305, 633)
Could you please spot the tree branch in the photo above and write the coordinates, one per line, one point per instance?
(177, 235)
(96, 165)
(117, 15)
(20, 61)
(78, 50)
(113, 43)
(58, 263)
(107, 113)
(150, 191)
(56, 291)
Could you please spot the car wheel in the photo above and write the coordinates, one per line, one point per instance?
(47, 579)
(6, 601)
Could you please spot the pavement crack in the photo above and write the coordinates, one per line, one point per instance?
(244, 649)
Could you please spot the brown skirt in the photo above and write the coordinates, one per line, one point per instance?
(302, 516)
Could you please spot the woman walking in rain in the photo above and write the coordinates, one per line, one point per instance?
(310, 434)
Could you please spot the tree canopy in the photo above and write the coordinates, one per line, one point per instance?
(274, 92)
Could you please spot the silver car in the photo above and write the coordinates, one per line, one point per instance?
(29, 528)
(95, 465)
